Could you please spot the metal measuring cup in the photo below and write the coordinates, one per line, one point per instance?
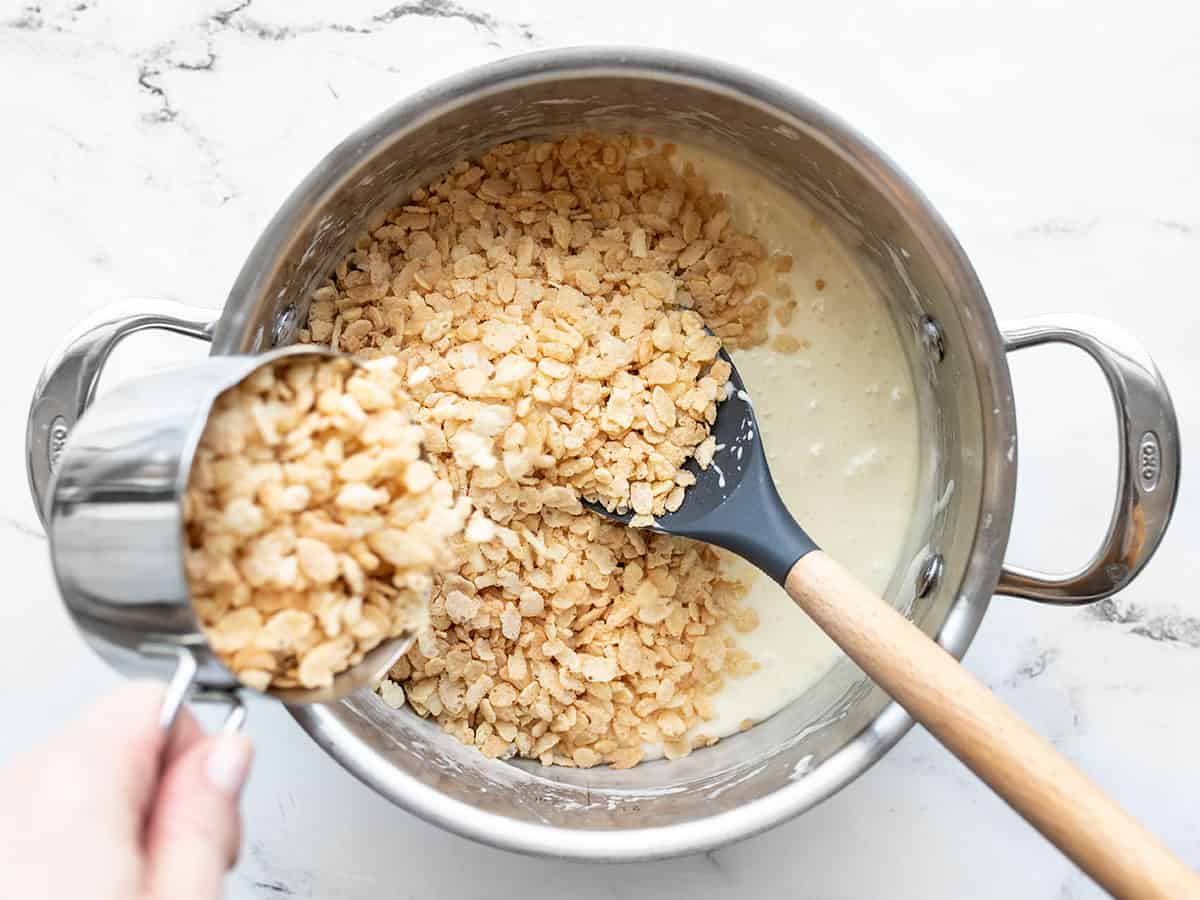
(114, 518)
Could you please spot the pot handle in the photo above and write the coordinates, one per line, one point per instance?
(1147, 471)
(68, 383)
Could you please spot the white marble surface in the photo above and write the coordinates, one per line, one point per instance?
(144, 145)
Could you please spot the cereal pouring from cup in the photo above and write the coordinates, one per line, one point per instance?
(184, 552)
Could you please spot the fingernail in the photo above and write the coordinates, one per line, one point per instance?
(229, 762)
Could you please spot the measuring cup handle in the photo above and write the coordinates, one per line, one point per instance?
(181, 688)
(68, 382)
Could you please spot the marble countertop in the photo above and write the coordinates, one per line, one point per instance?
(146, 144)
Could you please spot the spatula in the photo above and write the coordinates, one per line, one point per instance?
(734, 504)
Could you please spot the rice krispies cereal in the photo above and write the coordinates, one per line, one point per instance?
(546, 306)
(313, 524)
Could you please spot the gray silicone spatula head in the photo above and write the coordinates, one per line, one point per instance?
(734, 503)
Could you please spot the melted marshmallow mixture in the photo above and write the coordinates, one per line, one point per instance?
(838, 418)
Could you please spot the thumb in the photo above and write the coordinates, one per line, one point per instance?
(194, 829)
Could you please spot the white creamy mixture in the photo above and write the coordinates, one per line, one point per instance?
(838, 419)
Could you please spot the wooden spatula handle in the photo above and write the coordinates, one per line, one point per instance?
(1019, 765)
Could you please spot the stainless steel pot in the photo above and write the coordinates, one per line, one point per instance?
(826, 738)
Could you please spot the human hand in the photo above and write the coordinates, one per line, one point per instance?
(105, 810)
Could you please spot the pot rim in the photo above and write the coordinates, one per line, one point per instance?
(327, 725)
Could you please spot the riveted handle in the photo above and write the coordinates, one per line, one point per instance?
(1147, 473)
(68, 382)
